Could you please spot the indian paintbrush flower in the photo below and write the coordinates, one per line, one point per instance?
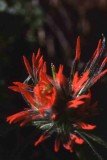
(60, 104)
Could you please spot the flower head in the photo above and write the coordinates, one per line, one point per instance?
(57, 103)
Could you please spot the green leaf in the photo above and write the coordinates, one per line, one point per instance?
(80, 152)
(89, 143)
(96, 139)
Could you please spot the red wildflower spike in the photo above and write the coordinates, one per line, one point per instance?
(57, 103)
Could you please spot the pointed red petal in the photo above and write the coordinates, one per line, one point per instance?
(81, 81)
(41, 139)
(60, 78)
(22, 85)
(74, 103)
(40, 62)
(96, 53)
(26, 62)
(69, 145)
(75, 78)
(44, 67)
(77, 139)
(23, 89)
(99, 46)
(28, 97)
(87, 126)
(14, 88)
(33, 60)
(59, 74)
(103, 64)
(33, 117)
(57, 145)
(85, 96)
(17, 117)
(99, 76)
(38, 55)
(77, 57)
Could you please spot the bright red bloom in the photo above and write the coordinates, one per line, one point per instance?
(58, 104)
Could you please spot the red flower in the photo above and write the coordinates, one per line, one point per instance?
(58, 104)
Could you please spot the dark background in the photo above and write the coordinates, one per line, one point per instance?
(52, 26)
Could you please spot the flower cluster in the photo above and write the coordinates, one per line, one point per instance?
(57, 103)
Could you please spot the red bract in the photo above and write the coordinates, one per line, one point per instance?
(59, 104)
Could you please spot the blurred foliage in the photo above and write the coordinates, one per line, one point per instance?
(54, 24)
